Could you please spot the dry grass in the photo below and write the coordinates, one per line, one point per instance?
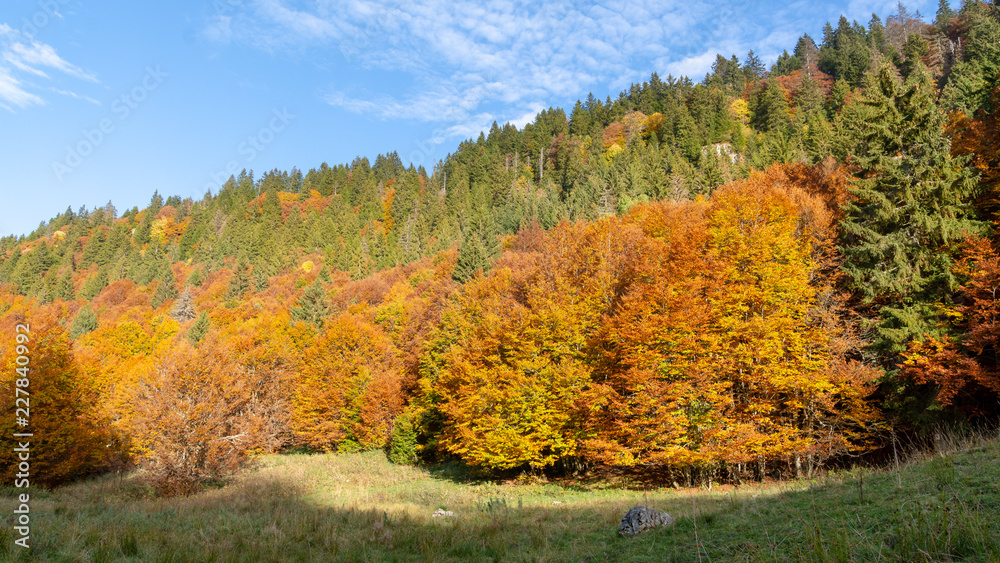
(938, 506)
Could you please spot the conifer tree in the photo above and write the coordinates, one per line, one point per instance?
(910, 206)
(64, 286)
(838, 96)
(771, 109)
(260, 281)
(240, 282)
(972, 79)
(478, 249)
(199, 329)
(184, 307)
(165, 289)
(808, 98)
(753, 67)
(197, 277)
(915, 48)
(94, 285)
(944, 15)
(313, 306)
(85, 321)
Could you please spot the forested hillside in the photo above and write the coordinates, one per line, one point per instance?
(743, 276)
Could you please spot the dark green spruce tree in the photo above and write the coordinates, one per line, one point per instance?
(910, 208)
(85, 321)
(313, 306)
(478, 249)
(199, 328)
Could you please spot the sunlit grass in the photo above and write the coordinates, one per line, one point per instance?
(358, 507)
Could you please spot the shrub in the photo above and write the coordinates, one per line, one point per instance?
(203, 415)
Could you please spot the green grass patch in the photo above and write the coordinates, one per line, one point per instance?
(360, 507)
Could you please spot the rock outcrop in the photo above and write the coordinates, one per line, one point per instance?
(640, 518)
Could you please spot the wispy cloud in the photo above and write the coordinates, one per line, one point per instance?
(12, 92)
(23, 60)
(465, 56)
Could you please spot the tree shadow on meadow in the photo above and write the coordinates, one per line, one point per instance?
(360, 508)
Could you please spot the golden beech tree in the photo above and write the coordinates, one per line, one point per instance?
(656, 406)
(683, 334)
(716, 352)
(507, 379)
(506, 400)
(46, 390)
(349, 388)
(765, 346)
(116, 357)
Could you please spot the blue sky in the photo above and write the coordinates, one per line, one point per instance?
(112, 100)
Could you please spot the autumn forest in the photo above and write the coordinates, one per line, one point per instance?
(749, 276)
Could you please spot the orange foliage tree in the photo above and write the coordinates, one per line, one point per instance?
(202, 414)
(349, 387)
(965, 369)
(682, 334)
(977, 140)
(718, 353)
(68, 441)
(507, 378)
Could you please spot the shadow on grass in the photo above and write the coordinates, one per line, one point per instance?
(360, 508)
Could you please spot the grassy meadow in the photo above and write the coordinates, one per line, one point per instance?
(358, 507)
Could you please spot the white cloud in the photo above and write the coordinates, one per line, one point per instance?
(12, 92)
(465, 56)
(20, 55)
(77, 96)
(695, 66)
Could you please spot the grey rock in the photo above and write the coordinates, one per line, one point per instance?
(640, 518)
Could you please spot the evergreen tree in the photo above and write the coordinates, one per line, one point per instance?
(199, 329)
(771, 109)
(85, 321)
(260, 281)
(479, 248)
(786, 64)
(313, 306)
(808, 98)
(753, 67)
(197, 277)
(838, 95)
(910, 206)
(240, 282)
(944, 15)
(806, 51)
(64, 286)
(972, 79)
(184, 307)
(31, 269)
(846, 52)
(94, 285)
(165, 288)
(914, 50)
